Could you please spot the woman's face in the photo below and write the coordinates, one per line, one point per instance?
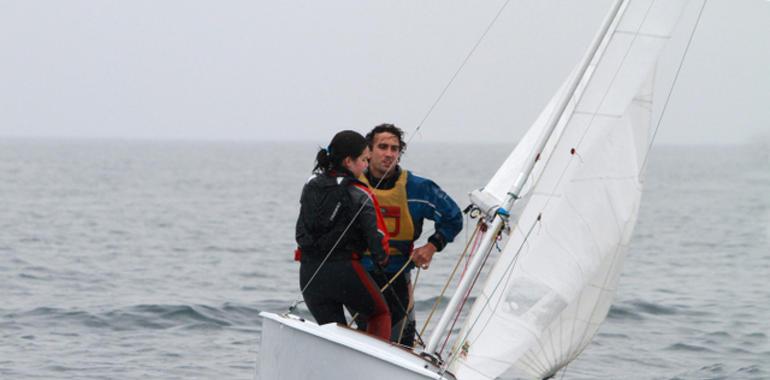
(359, 164)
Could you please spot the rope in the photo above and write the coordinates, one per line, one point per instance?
(449, 280)
(410, 307)
(462, 65)
(328, 254)
(509, 270)
(384, 287)
(395, 296)
(465, 299)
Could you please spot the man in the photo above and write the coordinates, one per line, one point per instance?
(406, 200)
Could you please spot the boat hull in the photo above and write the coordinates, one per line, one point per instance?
(293, 348)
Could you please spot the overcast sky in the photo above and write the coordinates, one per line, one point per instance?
(286, 70)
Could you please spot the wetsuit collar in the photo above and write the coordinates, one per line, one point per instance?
(388, 182)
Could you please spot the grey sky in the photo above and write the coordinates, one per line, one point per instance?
(280, 70)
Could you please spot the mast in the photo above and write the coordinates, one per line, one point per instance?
(497, 215)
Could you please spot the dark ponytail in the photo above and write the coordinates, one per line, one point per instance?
(344, 144)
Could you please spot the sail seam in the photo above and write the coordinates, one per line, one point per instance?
(615, 257)
(589, 113)
(648, 35)
(604, 178)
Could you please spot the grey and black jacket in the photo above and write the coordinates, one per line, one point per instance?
(328, 204)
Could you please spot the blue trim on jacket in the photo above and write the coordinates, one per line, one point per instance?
(426, 201)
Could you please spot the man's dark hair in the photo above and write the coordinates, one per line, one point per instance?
(389, 128)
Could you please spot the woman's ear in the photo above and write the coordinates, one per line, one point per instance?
(348, 163)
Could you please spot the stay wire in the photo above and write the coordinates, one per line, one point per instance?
(414, 133)
(462, 65)
(681, 63)
(449, 280)
(395, 297)
(384, 287)
(673, 85)
(328, 254)
(453, 355)
(409, 309)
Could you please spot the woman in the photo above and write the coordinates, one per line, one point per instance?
(339, 220)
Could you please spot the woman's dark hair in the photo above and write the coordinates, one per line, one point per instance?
(389, 128)
(344, 144)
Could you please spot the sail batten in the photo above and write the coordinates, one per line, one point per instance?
(553, 283)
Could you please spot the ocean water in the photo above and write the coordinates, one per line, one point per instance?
(135, 260)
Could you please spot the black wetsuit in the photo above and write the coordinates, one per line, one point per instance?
(327, 206)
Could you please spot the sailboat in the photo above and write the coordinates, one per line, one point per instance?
(560, 209)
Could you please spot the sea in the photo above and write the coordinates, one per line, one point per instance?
(125, 259)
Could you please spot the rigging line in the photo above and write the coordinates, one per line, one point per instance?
(488, 299)
(410, 309)
(673, 85)
(536, 361)
(604, 96)
(574, 353)
(328, 254)
(575, 101)
(617, 72)
(465, 299)
(417, 129)
(576, 91)
(496, 232)
(384, 287)
(449, 279)
(398, 302)
(561, 177)
(446, 87)
(593, 116)
(462, 65)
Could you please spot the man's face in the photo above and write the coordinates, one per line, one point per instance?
(386, 152)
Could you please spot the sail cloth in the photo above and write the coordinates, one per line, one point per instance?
(554, 280)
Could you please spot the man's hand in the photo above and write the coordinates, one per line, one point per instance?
(423, 255)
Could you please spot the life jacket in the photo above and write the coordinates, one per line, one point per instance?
(325, 212)
(394, 206)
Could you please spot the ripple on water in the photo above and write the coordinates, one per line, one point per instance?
(618, 312)
(688, 347)
(751, 370)
(143, 317)
(719, 334)
(653, 308)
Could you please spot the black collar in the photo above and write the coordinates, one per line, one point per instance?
(387, 183)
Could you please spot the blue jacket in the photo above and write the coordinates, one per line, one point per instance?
(426, 201)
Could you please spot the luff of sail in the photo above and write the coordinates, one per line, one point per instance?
(553, 283)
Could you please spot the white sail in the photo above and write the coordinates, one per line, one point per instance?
(554, 280)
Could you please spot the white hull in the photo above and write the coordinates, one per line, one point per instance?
(296, 349)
